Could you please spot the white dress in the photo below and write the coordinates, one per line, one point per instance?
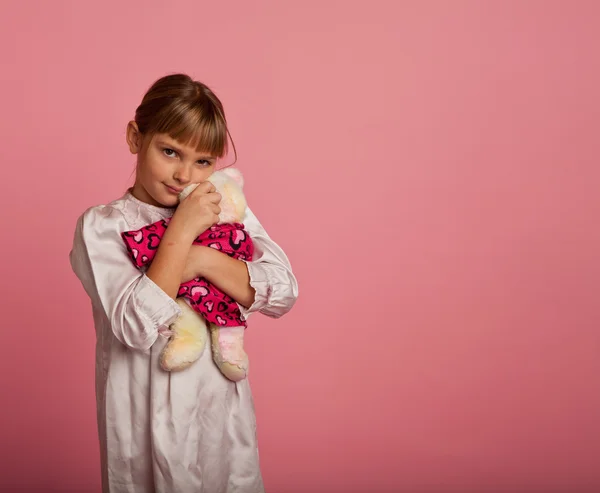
(161, 432)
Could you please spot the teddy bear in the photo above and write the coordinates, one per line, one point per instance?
(205, 309)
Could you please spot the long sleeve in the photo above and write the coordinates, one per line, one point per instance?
(271, 276)
(134, 305)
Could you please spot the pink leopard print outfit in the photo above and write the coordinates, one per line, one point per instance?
(204, 297)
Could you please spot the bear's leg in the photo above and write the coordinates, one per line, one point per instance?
(228, 351)
(187, 342)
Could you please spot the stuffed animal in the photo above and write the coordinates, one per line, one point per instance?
(203, 305)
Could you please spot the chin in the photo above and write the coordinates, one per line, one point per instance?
(164, 200)
(169, 202)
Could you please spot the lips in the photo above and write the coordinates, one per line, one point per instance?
(174, 190)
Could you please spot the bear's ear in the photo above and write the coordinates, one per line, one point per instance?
(235, 174)
(186, 191)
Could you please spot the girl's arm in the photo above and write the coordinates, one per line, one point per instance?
(169, 262)
(230, 275)
(197, 212)
(266, 284)
(135, 306)
(138, 305)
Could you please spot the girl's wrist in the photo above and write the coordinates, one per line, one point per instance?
(196, 262)
(201, 257)
(177, 233)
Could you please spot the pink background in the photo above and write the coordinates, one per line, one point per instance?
(431, 170)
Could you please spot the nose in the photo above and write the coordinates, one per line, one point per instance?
(182, 173)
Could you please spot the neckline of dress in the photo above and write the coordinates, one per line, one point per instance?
(163, 211)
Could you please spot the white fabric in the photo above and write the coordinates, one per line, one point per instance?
(190, 431)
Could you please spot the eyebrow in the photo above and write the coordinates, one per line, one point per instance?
(161, 142)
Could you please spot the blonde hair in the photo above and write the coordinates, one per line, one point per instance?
(188, 111)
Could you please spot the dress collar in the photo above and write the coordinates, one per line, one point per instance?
(153, 209)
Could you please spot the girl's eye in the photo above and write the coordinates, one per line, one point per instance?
(169, 152)
(204, 162)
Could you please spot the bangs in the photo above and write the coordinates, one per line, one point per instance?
(200, 126)
(188, 112)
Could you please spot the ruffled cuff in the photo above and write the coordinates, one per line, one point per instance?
(156, 306)
(260, 282)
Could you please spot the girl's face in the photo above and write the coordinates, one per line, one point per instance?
(165, 167)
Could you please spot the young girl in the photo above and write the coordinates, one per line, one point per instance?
(189, 431)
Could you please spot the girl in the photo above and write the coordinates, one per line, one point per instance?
(191, 431)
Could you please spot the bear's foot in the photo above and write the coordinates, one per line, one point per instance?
(228, 351)
(188, 341)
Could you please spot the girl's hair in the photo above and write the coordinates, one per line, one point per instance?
(188, 111)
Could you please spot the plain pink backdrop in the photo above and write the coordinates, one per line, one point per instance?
(431, 169)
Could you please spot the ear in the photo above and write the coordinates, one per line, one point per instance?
(187, 190)
(134, 137)
(235, 174)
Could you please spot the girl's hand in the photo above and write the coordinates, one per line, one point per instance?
(198, 211)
